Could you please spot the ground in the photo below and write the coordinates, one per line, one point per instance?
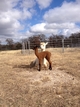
(21, 86)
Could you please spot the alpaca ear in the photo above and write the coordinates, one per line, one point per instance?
(46, 43)
(36, 46)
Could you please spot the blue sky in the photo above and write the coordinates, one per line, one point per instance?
(24, 18)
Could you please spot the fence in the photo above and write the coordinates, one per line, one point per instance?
(55, 43)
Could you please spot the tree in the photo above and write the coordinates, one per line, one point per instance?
(10, 43)
(0, 45)
(55, 40)
(42, 37)
(34, 40)
(75, 38)
(18, 45)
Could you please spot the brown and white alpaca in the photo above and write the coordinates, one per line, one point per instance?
(36, 61)
(41, 56)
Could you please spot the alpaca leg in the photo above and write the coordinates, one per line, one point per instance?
(40, 65)
(45, 63)
(50, 65)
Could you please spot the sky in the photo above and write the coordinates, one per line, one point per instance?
(21, 19)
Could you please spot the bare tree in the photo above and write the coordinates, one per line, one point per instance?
(10, 43)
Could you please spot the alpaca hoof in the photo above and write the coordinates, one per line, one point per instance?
(50, 68)
(39, 70)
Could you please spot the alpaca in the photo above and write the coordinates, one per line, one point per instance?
(41, 56)
(43, 46)
(36, 61)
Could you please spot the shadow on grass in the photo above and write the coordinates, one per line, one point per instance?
(22, 66)
(27, 67)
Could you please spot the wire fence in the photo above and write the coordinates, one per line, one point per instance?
(61, 44)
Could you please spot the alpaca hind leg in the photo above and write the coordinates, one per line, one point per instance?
(50, 65)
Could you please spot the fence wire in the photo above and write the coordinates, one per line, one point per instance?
(61, 45)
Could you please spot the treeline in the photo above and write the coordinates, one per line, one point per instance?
(71, 41)
(10, 45)
(53, 41)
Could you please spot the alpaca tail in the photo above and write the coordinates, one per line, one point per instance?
(32, 64)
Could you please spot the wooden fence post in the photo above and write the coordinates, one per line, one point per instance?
(23, 47)
(63, 45)
(29, 46)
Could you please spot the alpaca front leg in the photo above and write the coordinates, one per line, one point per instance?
(39, 67)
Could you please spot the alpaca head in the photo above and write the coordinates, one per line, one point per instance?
(43, 45)
(35, 47)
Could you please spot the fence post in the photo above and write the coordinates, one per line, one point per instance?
(23, 47)
(63, 45)
(29, 46)
(26, 45)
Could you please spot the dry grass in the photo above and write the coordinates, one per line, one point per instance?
(21, 86)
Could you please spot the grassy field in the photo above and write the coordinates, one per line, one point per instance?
(21, 86)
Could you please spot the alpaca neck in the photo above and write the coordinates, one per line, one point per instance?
(36, 52)
(42, 50)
